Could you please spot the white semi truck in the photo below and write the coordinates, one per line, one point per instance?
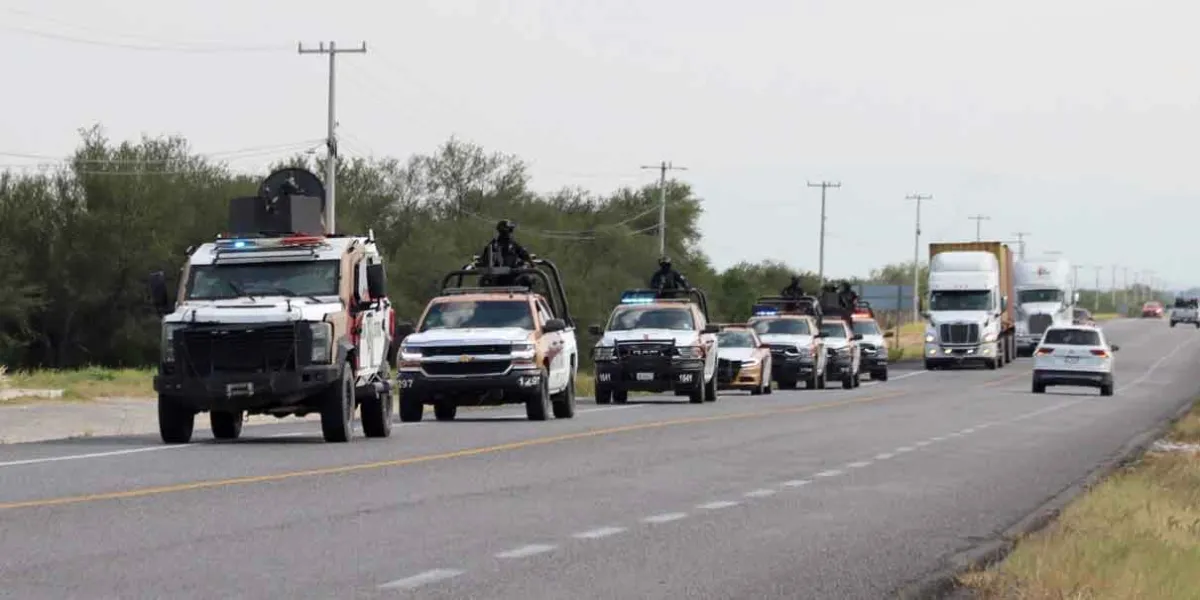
(1045, 298)
(970, 314)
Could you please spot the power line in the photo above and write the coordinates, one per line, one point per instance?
(916, 254)
(194, 49)
(253, 150)
(663, 167)
(824, 185)
(331, 139)
(979, 220)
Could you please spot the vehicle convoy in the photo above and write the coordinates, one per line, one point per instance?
(743, 360)
(791, 327)
(969, 317)
(1044, 299)
(276, 317)
(873, 345)
(1185, 311)
(493, 344)
(844, 355)
(655, 341)
(1076, 355)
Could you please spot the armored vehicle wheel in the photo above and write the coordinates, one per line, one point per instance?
(175, 422)
(376, 415)
(226, 425)
(537, 403)
(564, 401)
(337, 408)
(445, 410)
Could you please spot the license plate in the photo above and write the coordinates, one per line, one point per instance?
(235, 390)
(645, 376)
(1070, 360)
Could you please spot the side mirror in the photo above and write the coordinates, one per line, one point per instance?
(159, 295)
(924, 314)
(1115, 347)
(554, 325)
(857, 336)
(376, 281)
(596, 330)
(888, 334)
(710, 328)
(403, 330)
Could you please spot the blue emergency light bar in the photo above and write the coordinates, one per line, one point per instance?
(765, 310)
(638, 297)
(255, 244)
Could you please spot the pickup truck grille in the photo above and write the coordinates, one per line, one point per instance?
(1038, 324)
(645, 350)
(959, 333)
(238, 349)
(473, 350)
(781, 349)
(466, 369)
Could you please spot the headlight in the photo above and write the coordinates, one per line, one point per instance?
(689, 352)
(168, 339)
(322, 343)
(842, 351)
(754, 362)
(989, 337)
(523, 350)
(604, 353)
(930, 338)
(409, 353)
(802, 352)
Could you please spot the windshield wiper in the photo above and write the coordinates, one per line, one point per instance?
(282, 291)
(239, 290)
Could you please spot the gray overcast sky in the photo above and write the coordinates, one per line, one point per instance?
(1074, 120)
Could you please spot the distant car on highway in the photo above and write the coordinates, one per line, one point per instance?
(1186, 310)
(1083, 316)
(1152, 310)
(1078, 355)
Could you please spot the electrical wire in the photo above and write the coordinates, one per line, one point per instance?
(186, 49)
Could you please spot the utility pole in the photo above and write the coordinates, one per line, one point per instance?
(824, 185)
(916, 300)
(1020, 242)
(1125, 287)
(663, 167)
(979, 219)
(331, 138)
(1096, 299)
(1113, 289)
(1075, 277)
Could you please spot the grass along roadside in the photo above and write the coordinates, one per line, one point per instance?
(1135, 535)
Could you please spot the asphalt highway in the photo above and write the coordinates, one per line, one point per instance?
(815, 494)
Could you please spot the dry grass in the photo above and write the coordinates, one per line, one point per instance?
(86, 384)
(911, 342)
(1134, 536)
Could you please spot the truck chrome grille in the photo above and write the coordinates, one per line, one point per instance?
(645, 350)
(473, 350)
(238, 349)
(466, 369)
(960, 333)
(1038, 324)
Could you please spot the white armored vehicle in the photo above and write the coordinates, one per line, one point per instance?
(275, 317)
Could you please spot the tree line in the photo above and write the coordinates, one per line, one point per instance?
(77, 242)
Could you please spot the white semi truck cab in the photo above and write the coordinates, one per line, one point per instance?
(965, 310)
(1045, 299)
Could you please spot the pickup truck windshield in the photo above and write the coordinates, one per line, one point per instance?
(866, 328)
(626, 318)
(781, 327)
(216, 282)
(735, 339)
(960, 300)
(483, 314)
(834, 330)
(1027, 296)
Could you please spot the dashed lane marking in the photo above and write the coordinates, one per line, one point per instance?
(526, 551)
(420, 579)
(665, 518)
(718, 505)
(598, 533)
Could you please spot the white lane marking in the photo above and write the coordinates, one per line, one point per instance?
(1049, 409)
(35, 461)
(797, 482)
(421, 579)
(525, 551)
(940, 438)
(956, 434)
(968, 430)
(903, 449)
(922, 443)
(762, 493)
(604, 408)
(1154, 367)
(718, 504)
(858, 465)
(829, 473)
(884, 456)
(598, 533)
(664, 518)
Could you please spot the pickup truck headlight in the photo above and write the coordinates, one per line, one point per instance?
(685, 352)
(322, 343)
(604, 353)
(409, 353)
(168, 341)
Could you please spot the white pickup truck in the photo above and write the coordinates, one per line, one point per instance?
(1186, 311)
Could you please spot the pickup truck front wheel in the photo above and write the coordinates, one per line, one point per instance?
(537, 403)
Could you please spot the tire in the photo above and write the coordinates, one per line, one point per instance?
(929, 366)
(175, 422)
(376, 414)
(1172, 323)
(1039, 388)
(768, 389)
(445, 410)
(993, 364)
(710, 389)
(847, 382)
(787, 384)
(823, 380)
(604, 396)
(226, 425)
(696, 396)
(337, 408)
(563, 402)
(537, 404)
(814, 380)
(1106, 389)
(880, 375)
(412, 407)
(620, 396)
(857, 378)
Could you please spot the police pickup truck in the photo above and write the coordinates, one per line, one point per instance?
(657, 341)
(1185, 311)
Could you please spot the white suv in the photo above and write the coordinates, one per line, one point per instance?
(1076, 355)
